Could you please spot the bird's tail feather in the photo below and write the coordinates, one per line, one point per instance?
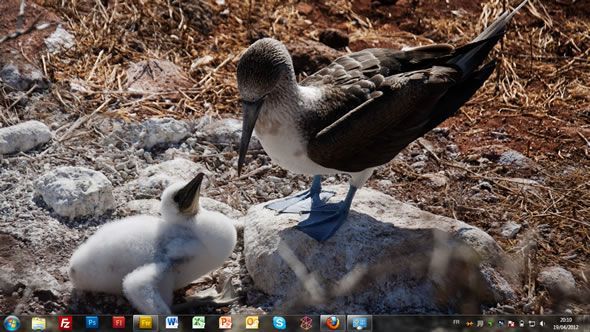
(472, 55)
(458, 95)
(499, 25)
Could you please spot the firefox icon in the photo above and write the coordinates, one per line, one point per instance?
(333, 323)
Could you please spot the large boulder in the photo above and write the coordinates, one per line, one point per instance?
(389, 257)
(76, 191)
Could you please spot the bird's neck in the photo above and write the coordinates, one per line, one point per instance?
(283, 102)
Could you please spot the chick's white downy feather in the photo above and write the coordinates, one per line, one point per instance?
(146, 258)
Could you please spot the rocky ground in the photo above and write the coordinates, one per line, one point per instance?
(159, 104)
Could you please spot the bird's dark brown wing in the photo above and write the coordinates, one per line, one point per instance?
(356, 67)
(395, 113)
(356, 78)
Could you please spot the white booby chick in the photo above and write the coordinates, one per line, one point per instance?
(146, 258)
(355, 114)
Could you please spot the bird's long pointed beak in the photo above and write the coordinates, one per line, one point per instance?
(187, 198)
(249, 117)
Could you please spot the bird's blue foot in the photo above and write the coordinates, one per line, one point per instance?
(322, 222)
(305, 201)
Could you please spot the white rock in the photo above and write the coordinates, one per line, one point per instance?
(155, 178)
(23, 136)
(76, 191)
(388, 257)
(436, 180)
(59, 40)
(162, 131)
(510, 229)
(225, 132)
(557, 280)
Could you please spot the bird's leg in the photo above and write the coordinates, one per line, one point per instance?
(144, 286)
(323, 221)
(304, 201)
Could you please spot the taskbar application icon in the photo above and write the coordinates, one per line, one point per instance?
(359, 323)
(333, 323)
(145, 323)
(38, 324)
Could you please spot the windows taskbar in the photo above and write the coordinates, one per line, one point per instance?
(299, 323)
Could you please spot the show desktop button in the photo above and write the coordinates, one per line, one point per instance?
(359, 323)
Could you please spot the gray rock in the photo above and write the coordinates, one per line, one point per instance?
(510, 229)
(162, 131)
(156, 75)
(225, 132)
(142, 206)
(514, 158)
(59, 40)
(36, 281)
(557, 280)
(23, 137)
(213, 205)
(23, 77)
(419, 165)
(76, 191)
(388, 257)
(144, 135)
(152, 132)
(155, 178)
(529, 185)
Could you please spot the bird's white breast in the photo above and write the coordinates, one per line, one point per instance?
(278, 132)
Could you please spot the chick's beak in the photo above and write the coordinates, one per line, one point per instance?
(187, 198)
(249, 117)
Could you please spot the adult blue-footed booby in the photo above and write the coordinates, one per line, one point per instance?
(354, 115)
(146, 258)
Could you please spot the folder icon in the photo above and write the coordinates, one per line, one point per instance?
(38, 324)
